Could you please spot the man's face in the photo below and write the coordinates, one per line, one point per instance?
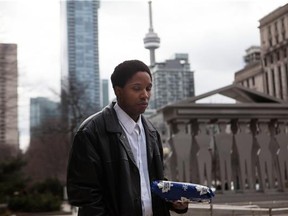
(133, 98)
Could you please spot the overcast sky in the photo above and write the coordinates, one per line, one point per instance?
(215, 34)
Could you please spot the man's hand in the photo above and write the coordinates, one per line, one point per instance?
(180, 205)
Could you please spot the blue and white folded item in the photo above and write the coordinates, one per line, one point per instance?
(182, 191)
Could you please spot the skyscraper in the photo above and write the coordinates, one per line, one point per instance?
(9, 96)
(80, 61)
(172, 81)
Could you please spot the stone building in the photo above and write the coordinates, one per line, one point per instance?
(238, 148)
(270, 75)
(274, 48)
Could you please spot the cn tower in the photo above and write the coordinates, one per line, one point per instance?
(151, 39)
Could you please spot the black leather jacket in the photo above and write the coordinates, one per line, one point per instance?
(102, 177)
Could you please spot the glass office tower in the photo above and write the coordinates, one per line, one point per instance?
(80, 82)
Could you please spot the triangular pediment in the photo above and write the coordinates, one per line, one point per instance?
(237, 92)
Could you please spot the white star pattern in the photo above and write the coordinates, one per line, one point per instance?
(185, 187)
(165, 186)
(202, 189)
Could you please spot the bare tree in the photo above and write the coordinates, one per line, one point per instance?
(76, 103)
(47, 154)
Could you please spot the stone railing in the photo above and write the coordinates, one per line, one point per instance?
(234, 149)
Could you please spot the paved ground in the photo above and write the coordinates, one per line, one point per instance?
(67, 208)
(204, 209)
(218, 210)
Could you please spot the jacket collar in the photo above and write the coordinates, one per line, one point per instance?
(112, 123)
(113, 126)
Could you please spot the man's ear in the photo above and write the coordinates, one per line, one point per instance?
(117, 91)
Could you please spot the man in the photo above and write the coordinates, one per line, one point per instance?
(117, 153)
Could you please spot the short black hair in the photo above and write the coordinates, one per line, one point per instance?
(125, 70)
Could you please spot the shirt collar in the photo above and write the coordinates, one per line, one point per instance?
(125, 120)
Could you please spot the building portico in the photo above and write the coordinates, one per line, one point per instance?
(236, 148)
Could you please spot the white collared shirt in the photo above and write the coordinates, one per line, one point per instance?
(137, 140)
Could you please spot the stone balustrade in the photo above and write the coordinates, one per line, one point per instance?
(232, 147)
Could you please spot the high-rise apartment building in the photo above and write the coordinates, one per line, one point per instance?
(80, 60)
(8, 96)
(251, 75)
(172, 81)
(274, 47)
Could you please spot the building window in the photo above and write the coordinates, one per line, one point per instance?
(273, 83)
(280, 83)
(253, 81)
(278, 55)
(265, 61)
(269, 31)
(270, 41)
(277, 38)
(267, 82)
(283, 29)
(286, 72)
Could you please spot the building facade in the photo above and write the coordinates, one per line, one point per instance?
(80, 59)
(8, 96)
(251, 75)
(269, 74)
(172, 81)
(274, 46)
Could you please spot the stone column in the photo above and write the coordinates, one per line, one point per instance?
(204, 159)
(264, 157)
(224, 147)
(181, 142)
(243, 144)
(282, 153)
